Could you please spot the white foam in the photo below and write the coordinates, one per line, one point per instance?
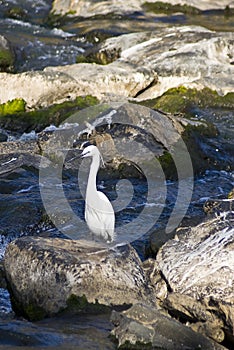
(24, 190)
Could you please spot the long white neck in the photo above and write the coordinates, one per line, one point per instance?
(92, 179)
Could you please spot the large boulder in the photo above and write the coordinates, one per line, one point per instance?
(46, 276)
(202, 5)
(57, 84)
(142, 327)
(199, 264)
(127, 134)
(173, 53)
(91, 7)
(199, 261)
(147, 67)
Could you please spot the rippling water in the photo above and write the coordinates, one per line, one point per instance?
(36, 45)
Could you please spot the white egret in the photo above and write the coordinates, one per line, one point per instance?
(99, 213)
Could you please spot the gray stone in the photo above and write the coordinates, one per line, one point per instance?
(46, 276)
(202, 4)
(198, 316)
(90, 8)
(199, 263)
(57, 84)
(173, 53)
(129, 131)
(142, 327)
(149, 64)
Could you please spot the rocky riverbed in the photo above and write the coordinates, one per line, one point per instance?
(150, 83)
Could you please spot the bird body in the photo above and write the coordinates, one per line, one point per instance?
(99, 213)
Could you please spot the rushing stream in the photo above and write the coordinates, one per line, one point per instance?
(36, 45)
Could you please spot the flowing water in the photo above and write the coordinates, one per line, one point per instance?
(36, 45)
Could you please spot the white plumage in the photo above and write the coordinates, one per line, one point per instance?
(99, 213)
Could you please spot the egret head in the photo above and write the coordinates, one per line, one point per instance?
(92, 151)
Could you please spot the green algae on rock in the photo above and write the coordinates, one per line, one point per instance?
(7, 57)
(17, 105)
(182, 100)
(76, 304)
(167, 8)
(16, 118)
(6, 60)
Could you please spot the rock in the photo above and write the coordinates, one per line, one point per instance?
(209, 248)
(58, 84)
(217, 206)
(202, 5)
(199, 263)
(46, 276)
(195, 314)
(136, 134)
(3, 136)
(16, 154)
(143, 327)
(146, 68)
(16, 160)
(6, 55)
(117, 79)
(51, 87)
(2, 276)
(18, 333)
(91, 8)
(118, 131)
(211, 53)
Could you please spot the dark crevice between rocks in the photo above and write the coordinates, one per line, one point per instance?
(154, 82)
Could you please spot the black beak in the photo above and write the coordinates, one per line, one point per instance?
(76, 157)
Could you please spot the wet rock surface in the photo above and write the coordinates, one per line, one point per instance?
(46, 276)
(173, 53)
(118, 131)
(207, 247)
(142, 327)
(146, 68)
(197, 266)
(180, 300)
(92, 8)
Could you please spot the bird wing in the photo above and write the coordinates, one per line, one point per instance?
(99, 215)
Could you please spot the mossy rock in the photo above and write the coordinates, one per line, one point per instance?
(16, 13)
(57, 20)
(136, 346)
(6, 60)
(77, 304)
(30, 311)
(22, 121)
(167, 8)
(34, 313)
(168, 166)
(17, 105)
(183, 100)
